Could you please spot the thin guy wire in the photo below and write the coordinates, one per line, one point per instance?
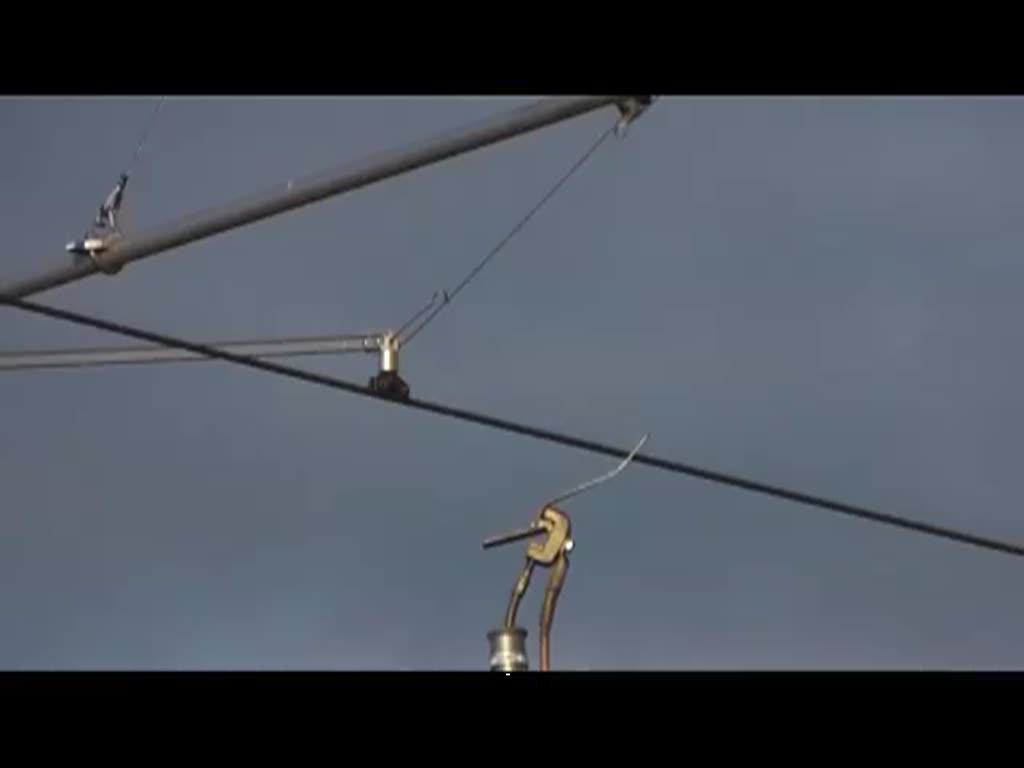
(145, 134)
(449, 296)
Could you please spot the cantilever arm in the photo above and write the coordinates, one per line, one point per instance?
(299, 193)
(145, 354)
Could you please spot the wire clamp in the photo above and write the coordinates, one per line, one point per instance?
(91, 247)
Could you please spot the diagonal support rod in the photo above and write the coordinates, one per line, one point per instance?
(296, 194)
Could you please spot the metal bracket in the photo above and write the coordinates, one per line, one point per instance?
(387, 382)
(556, 524)
(91, 246)
(631, 109)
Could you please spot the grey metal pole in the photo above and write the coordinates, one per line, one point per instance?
(141, 355)
(300, 193)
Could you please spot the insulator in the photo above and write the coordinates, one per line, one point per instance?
(508, 650)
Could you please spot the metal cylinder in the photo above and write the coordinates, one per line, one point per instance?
(508, 650)
(389, 354)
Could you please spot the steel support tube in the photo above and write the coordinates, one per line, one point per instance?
(142, 355)
(296, 194)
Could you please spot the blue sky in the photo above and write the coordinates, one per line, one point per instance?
(818, 293)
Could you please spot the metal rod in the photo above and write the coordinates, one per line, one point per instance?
(296, 194)
(141, 355)
(508, 538)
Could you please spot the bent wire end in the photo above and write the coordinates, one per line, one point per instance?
(605, 477)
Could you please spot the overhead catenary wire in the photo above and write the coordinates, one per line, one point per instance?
(538, 433)
(449, 296)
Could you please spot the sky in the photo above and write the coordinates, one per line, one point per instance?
(819, 293)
